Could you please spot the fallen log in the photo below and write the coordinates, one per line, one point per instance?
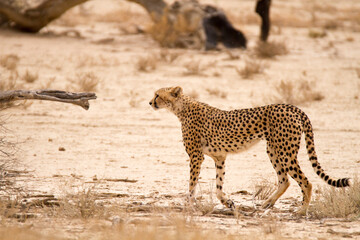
(80, 99)
(35, 18)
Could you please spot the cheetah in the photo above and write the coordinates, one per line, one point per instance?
(207, 130)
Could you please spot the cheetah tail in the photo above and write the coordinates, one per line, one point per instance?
(310, 147)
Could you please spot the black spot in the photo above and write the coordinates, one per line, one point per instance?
(338, 182)
(345, 182)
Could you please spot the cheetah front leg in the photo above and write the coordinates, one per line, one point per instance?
(220, 175)
(196, 159)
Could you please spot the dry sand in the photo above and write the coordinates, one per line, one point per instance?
(121, 137)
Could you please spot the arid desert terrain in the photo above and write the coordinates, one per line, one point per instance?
(120, 171)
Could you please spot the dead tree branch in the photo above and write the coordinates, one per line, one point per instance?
(81, 99)
(34, 19)
(155, 8)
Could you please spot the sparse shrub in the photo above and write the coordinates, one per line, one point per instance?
(5, 85)
(134, 99)
(30, 77)
(8, 162)
(357, 70)
(331, 24)
(146, 63)
(168, 56)
(91, 61)
(317, 33)
(8, 84)
(194, 94)
(340, 203)
(87, 82)
(232, 55)
(264, 189)
(216, 92)
(295, 92)
(193, 68)
(252, 67)
(82, 204)
(270, 49)
(205, 206)
(9, 61)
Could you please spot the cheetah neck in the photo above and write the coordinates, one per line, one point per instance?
(185, 105)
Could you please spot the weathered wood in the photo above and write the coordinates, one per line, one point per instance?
(80, 99)
(34, 19)
(155, 8)
(120, 180)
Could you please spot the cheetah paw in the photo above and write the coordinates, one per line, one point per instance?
(230, 204)
(267, 205)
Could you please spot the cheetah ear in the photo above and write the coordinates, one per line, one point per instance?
(176, 92)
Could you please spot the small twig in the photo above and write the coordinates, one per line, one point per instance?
(120, 180)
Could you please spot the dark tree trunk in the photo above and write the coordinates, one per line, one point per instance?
(263, 9)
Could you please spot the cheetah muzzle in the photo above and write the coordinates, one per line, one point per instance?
(207, 130)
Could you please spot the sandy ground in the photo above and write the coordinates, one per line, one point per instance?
(121, 137)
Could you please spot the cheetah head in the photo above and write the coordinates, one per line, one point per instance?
(166, 98)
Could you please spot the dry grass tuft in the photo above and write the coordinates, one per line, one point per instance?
(232, 55)
(168, 56)
(82, 204)
(331, 24)
(17, 233)
(147, 63)
(9, 61)
(205, 205)
(295, 92)
(85, 82)
(270, 49)
(357, 70)
(252, 67)
(8, 84)
(216, 92)
(317, 33)
(135, 99)
(180, 229)
(30, 77)
(339, 203)
(194, 94)
(264, 189)
(193, 68)
(91, 61)
(88, 82)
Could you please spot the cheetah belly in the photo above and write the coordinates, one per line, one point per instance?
(220, 149)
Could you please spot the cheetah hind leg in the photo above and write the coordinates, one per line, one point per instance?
(283, 181)
(306, 188)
